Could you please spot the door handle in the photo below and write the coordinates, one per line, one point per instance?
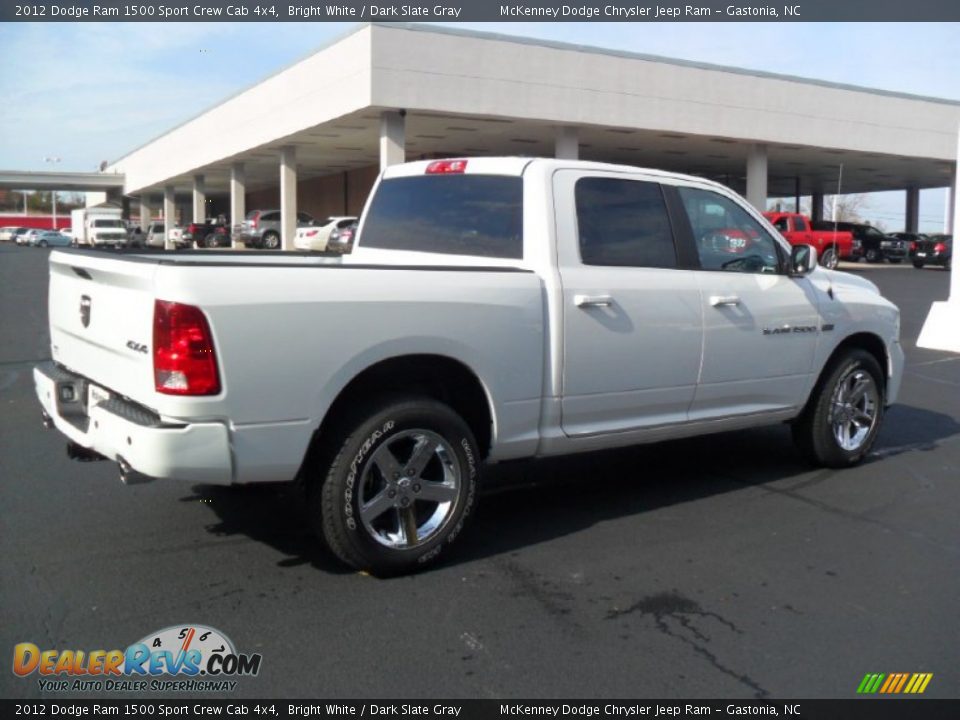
(721, 300)
(583, 301)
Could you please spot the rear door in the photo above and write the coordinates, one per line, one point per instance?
(632, 321)
(761, 327)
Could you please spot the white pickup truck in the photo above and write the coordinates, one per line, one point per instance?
(493, 308)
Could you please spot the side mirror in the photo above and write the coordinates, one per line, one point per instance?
(803, 259)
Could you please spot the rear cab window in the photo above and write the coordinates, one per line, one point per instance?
(449, 214)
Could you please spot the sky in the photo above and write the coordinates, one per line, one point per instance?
(86, 92)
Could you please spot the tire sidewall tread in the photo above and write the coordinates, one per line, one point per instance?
(334, 504)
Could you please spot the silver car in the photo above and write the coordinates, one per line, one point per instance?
(261, 228)
(48, 238)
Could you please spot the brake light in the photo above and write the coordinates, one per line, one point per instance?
(447, 167)
(940, 247)
(311, 233)
(184, 359)
(255, 221)
(913, 246)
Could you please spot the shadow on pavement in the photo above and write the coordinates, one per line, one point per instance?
(529, 502)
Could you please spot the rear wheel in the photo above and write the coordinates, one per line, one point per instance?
(400, 487)
(829, 259)
(918, 264)
(873, 255)
(842, 418)
(271, 241)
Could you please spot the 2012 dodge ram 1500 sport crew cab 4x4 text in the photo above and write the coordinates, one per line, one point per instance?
(493, 308)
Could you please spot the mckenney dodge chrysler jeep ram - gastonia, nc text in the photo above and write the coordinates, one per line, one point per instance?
(493, 308)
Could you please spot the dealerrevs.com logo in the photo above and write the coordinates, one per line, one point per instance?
(200, 658)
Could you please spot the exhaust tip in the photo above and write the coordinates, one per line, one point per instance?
(129, 476)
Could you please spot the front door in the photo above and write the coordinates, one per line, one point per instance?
(761, 327)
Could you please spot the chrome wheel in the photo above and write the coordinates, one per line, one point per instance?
(408, 489)
(854, 409)
(830, 259)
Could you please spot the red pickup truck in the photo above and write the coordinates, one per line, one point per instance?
(831, 245)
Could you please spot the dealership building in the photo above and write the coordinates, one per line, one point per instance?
(312, 137)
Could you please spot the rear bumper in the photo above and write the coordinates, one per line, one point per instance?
(121, 430)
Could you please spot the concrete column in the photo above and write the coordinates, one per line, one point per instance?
(757, 177)
(949, 204)
(567, 144)
(145, 213)
(199, 199)
(169, 214)
(816, 206)
(238, 198)
(288, 196)
(911, 221)
(392, 138)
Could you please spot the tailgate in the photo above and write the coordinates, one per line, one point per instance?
(101, 320)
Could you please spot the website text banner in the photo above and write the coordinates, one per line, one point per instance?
(193, 707)
(480, 11)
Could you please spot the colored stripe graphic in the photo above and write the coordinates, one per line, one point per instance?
(894, 683)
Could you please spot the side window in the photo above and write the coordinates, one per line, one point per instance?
(623, 223)
(799, 224)
(727, 237)
(270, 217)
(781, 224)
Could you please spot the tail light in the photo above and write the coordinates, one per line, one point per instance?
(184, 359)
(255, 221)
(447, 167)
(913, 246)
(940, 247)
(311, 233)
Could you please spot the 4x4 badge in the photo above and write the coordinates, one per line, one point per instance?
(85, 304)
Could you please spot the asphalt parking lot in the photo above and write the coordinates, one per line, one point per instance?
(714, 567)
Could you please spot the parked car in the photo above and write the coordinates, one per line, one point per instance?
(18, 235)
(876, 246)
(155, 236)
(933, 250)
(492, 309)
(341, 239)
(208, 234)
(29, 237)
(316, 237)
(832, 245)
(49, 238)
(261, 228)
(7, 234)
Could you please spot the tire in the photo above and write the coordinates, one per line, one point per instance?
(42, 243)
(271, 241)
(820, 431)
(873, 255)
(362, 503)
(918, 264)
(830, 259)
(211, 241)
(895, 261)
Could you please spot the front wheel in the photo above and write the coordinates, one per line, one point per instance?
(400, 488)
(918, 264)
(842, 418)
(829, 259)
(873, 256)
